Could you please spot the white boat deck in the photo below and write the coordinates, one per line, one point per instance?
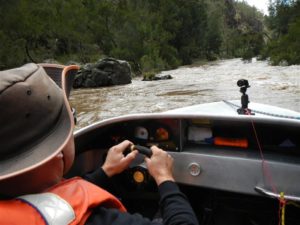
(229, 108)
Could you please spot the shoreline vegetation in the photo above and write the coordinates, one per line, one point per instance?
(152, 35)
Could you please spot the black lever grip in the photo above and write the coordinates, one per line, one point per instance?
(143, 150)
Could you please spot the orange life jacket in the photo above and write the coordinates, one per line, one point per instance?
(74, 195)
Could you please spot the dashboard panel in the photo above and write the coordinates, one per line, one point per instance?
(221, 154)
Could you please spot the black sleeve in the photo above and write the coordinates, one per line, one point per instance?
(99, 178)
(174, 206)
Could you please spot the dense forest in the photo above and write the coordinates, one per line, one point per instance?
(150, 34)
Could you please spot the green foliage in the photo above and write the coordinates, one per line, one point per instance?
(149, 75)
(152, 35)
(284, 22)
(287, 47)
(243, 34)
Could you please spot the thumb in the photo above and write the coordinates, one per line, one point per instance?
(130, 157)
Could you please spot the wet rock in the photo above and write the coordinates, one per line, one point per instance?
(283, 63)
(105, 72)
(151, 77)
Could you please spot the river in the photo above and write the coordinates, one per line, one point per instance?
(275, 85)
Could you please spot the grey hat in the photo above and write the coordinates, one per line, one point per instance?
(35, 119)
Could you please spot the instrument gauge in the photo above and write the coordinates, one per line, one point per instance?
(161, 134)
(141, 133)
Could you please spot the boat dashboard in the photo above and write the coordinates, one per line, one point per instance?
(216, 153)
(244, 156)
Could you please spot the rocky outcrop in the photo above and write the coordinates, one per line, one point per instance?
(152, 77)
(105, 72)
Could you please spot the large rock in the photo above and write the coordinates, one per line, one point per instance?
(105, 72)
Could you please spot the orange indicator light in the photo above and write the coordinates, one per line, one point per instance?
(138, 177)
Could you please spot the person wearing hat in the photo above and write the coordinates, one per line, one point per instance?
(37, 149)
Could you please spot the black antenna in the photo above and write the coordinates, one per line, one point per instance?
(244, 84)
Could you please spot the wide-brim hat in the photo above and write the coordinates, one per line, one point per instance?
(36, 122)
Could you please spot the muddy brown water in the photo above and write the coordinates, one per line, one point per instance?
(275, 85)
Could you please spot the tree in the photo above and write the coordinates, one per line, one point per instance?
(150, 34)
(284, 22)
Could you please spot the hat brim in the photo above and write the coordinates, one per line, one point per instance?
(46, 148)
(63, 76)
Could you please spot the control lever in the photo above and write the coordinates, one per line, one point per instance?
(141, 149)
(274, 195)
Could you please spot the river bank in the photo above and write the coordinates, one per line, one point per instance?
(275, 85)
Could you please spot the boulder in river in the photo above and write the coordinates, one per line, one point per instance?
(105, 72)
(152, 76)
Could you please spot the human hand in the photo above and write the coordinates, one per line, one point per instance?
(116, 162)
(160, 165)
